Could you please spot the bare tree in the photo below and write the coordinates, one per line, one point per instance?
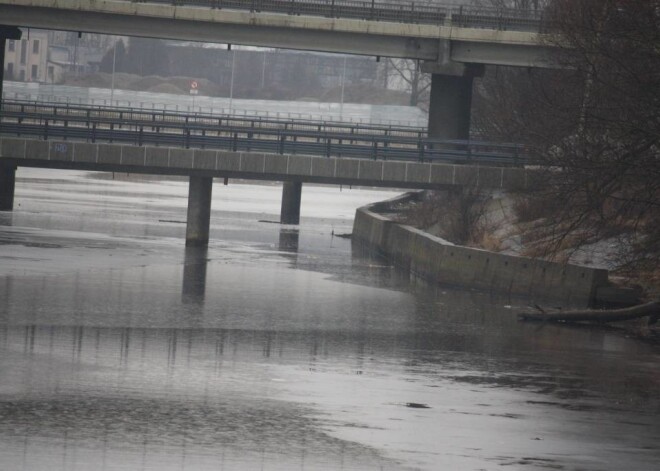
(406, 74)
(594, 126)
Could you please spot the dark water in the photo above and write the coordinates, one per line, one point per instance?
(279, 349)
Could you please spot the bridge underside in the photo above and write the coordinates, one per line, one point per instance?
(427, 42)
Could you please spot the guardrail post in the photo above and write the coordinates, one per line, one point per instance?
(187, 143)
(235, 142)
(375, 148)
(140, 136)
(327, 146)
(46, 130)
(93, 132)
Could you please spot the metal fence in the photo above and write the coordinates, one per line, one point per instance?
(140, 127)
(237, 110)
(420, 12)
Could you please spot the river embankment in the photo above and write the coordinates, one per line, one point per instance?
(441, 262)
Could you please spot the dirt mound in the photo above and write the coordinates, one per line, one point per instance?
(166, 88)
(147, 83)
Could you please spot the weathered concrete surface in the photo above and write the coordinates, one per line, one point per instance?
(199, 211)
(7, 183)
(441, 262)
(254, 165)
(378, 38)
(291, 195)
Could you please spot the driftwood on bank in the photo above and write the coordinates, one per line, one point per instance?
(651, 309)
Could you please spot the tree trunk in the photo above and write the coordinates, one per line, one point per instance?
(651, 309)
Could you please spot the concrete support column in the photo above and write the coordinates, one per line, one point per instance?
(199, 211)
(451, 96)
(291, 193)
(450, 107)
(7, 184)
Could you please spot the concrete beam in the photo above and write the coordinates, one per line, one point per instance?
(349, 40)
(515, 55)
(291, 196)
(353, 36)
(159, 160)
(199, 211)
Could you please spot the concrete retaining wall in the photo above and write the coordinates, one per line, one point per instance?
(441, 262)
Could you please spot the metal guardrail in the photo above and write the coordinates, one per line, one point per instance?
(419, 12)
(138, 127)
(144, 104)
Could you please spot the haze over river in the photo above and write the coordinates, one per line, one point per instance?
(281, 348)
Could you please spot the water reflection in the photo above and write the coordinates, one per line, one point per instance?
(288, 241)
(135, 353)
(160, 399)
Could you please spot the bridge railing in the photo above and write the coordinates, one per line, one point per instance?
(28, 108)
(238, 111)
(420, 12)
(140, 128)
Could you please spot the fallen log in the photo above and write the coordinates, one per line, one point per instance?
(651, 309)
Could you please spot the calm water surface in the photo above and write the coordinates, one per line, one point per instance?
(280, 348)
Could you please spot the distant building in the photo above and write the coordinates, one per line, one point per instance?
(45, 56)
(26, 59)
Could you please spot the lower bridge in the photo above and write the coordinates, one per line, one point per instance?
(100, 141)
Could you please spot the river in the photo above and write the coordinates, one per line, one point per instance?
(281, 348)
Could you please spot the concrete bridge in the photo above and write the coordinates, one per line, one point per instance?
(95, 147)
(453, 45)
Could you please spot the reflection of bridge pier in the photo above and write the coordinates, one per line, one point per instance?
(288, 241)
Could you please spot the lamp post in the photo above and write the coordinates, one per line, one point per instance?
(341, 102)
(112, 81)
(231, 83)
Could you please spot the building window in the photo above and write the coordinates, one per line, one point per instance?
(11, 45)
(35, 71)
(10, 70)
(23, 51)
(51, 73)
(35, 46)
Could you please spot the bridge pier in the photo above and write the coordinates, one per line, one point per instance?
(7, 184)
(199, 211)
(291, 194)
(451, 99)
